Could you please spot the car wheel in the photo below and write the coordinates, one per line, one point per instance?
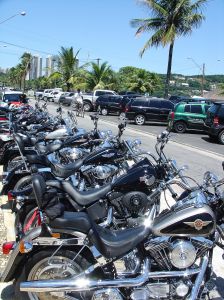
(221, 137)
(87, 106)
(140, 120)
(180, 127)
(104, 111)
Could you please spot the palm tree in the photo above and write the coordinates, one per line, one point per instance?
(170, 20)
(143, 81)
(98, 77)
(25, 66)
(67, 64)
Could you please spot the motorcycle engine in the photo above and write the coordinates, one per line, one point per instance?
(73, 154)
(107, 294)
(103, 172)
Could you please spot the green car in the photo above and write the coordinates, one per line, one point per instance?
(188, 116)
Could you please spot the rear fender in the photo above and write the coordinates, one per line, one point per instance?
(17, 260)
(11, 179)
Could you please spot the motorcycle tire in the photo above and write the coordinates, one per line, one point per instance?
(42, 260)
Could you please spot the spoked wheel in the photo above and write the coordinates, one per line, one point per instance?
(221, 137)
(47, 266)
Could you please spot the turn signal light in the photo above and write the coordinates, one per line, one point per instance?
(10, 196)
(56, 235)
(7, 247)
(25, 247)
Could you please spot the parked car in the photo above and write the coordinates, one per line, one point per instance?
(109, 104)
(188, 116)
(90, 98)
(12, 97)
(214, 122)
(67, 98)
(127, 93)
(178, 99)
(144, 109)
(38, 94)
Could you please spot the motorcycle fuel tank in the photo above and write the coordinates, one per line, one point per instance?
(101, 156)
(191, 218)
(141, 176)
(57, 134)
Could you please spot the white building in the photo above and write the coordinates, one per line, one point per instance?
(51, 64)
(35, 67)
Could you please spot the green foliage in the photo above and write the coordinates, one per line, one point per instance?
(100, 76)
(169, 20)
(138, 80)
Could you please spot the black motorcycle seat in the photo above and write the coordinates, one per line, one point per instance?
(37, 159)
(75, 221)
(82, 198)
(94, 116)
(64, 171)
(48, 148)
(115, 243)
(58, 170)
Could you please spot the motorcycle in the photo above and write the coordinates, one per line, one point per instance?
(168, 256)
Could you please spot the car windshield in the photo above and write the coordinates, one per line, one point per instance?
(11, 98)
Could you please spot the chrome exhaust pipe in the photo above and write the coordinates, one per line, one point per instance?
(80, 283)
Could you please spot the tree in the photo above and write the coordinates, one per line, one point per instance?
(170, 20)
(138, 80)
(221, 87)
(25, 66)
(99, 76)
(67, 64)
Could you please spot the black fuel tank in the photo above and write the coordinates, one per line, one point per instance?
(185, 220)
(140, 177)
(107, 155)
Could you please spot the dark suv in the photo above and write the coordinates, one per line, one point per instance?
(148, 109)
(214, 122)
(108, 104)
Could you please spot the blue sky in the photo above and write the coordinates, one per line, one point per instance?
(101, 29)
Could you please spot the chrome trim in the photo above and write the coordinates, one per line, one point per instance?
(80, 283)
(199, 279)
(27, 238)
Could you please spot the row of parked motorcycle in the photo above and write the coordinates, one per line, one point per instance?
(88, 212)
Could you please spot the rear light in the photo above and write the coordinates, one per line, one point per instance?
(3, 119)
(7, 247)
(172, 115)
(11, 197)
(126, 109)
(216, 121)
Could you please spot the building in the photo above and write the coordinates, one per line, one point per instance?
(35, 67)
(51, 64)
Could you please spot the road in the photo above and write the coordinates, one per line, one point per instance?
(187, 149)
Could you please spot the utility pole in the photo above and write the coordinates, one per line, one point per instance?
(203, 80)
(98, 61)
